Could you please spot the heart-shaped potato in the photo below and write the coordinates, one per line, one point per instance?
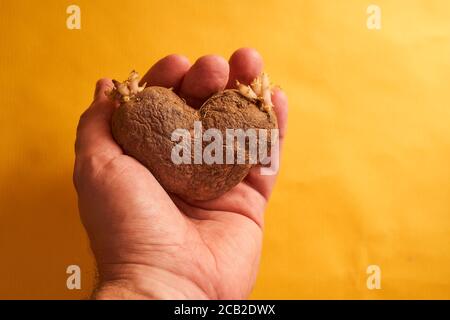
(147, 119)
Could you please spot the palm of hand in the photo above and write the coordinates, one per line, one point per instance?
(144, 236)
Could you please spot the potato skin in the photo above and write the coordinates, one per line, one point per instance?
(143, 127)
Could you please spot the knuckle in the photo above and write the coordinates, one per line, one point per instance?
(82, 121)
(102, 82)
(80, 127)
(87, 169)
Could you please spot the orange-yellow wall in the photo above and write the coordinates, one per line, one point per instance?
(366, 168)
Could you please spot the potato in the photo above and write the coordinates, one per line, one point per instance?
(152, 123)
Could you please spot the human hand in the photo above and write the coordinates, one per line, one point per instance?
(151, 244)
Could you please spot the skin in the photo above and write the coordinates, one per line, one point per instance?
(149, 244)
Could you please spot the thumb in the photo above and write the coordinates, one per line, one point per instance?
(94, 128)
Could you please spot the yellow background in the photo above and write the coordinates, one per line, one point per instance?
(366, 169)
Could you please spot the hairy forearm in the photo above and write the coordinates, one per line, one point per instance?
(131, 282)
(118, 290)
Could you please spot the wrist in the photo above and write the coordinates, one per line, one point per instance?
(137, 282)
(119, 290)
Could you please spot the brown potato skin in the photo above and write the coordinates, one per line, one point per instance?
(143, 127)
